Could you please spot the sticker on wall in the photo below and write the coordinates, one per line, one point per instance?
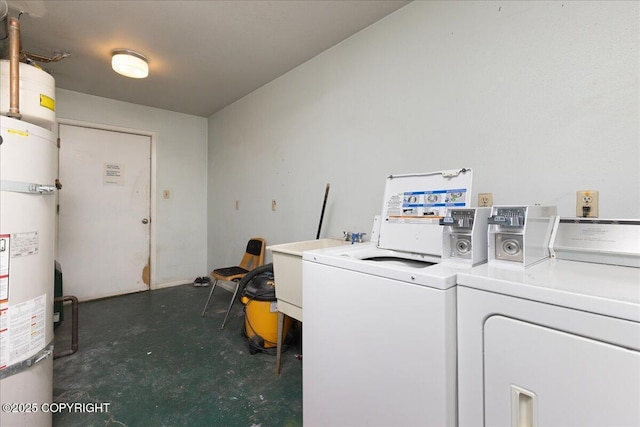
(113, 174)
(24, 244)
(5, 246)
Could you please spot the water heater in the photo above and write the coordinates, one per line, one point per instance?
(28, 168)
(37, 94)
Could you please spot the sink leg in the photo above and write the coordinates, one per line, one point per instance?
(279, 342)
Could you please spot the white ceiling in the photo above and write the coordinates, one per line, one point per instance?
(203, 55)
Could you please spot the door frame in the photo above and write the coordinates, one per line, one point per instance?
(152, 189)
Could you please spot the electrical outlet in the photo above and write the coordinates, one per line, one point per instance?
(485, 199)
(587, 203)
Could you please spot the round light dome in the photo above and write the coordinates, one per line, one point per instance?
(129, 63)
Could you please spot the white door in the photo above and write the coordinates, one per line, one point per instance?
(103, 220)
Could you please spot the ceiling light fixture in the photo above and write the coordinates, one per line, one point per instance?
(129, 63)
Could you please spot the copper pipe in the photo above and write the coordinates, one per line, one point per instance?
(74, 326)
(39, 58)
(14, 68)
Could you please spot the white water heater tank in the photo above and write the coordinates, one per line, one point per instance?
(28, 162)
(28, 169)
(37, 94)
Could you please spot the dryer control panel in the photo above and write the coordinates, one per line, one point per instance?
(603, 241)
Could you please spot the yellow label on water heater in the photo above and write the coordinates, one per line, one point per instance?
(18, 132)
(47, 102)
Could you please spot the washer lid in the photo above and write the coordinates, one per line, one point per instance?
(367, 258)
(413, 205)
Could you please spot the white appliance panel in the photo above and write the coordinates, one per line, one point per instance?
(376, 352)
(33, 386)
(28, 160)
(604, 289)
(578, 376)
(37, 93)
(413, 205)
(475, 306)
(604, 241)
(389, 264)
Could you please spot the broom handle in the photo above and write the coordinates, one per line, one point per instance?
(324, 205)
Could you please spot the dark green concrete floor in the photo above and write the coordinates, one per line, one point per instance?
(158, 363)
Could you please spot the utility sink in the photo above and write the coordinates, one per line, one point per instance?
(287, 270)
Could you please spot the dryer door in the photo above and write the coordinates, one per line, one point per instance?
(541, 376)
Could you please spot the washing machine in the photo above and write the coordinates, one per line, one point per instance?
(556, 343)
(380, 318)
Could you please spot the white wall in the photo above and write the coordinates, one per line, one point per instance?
(539, 98)
(181, 167)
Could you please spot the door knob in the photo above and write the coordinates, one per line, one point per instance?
(145, 221)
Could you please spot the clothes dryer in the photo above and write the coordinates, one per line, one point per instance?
(380, 318)
(557, 343)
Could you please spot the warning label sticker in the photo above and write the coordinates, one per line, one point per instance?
(4, 334)
(5, 241)
(22, 330)
(24, 244)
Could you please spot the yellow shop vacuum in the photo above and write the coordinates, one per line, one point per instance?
(261, 312)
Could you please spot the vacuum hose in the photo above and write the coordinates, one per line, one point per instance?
(253, 273)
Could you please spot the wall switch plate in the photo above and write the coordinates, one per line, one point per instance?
(166, 194)
(485, 199)
(587, 204)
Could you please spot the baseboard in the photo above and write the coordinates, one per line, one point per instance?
(170, 284)
(225, 285)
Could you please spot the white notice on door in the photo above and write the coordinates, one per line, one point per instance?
(113, 174)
